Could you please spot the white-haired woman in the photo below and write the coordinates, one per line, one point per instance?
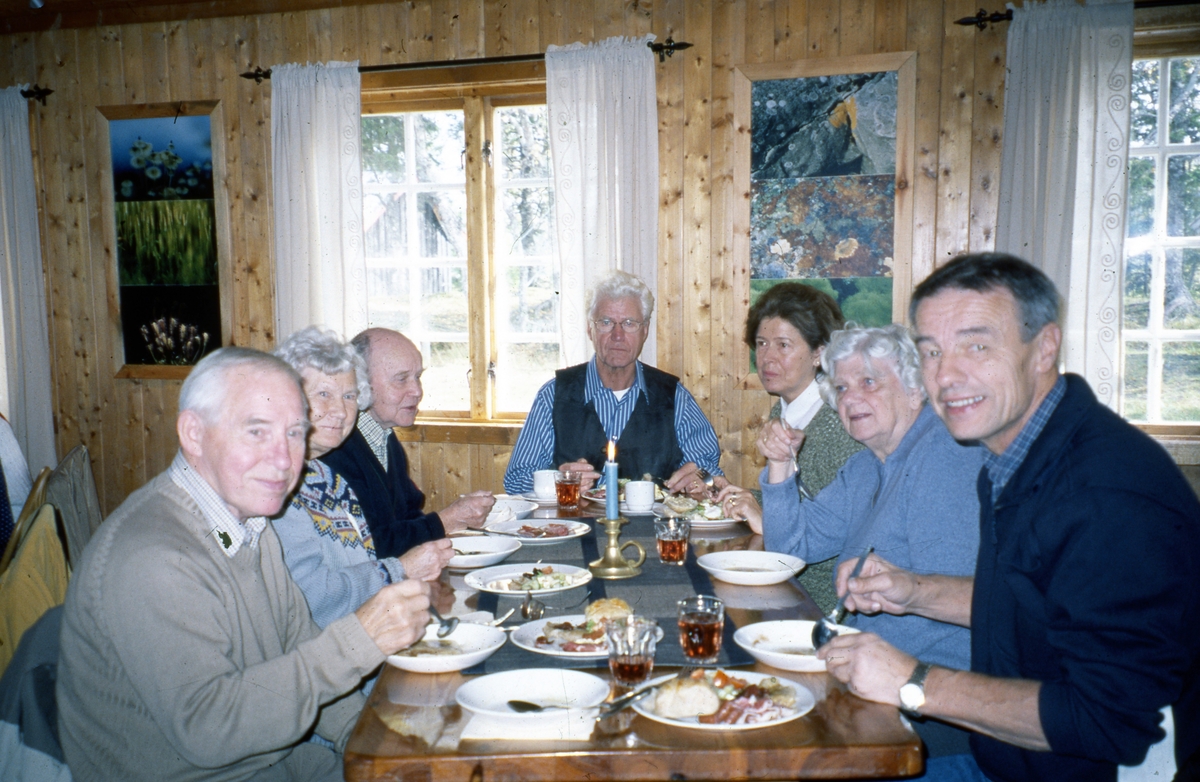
(327, 544)
(911, 494)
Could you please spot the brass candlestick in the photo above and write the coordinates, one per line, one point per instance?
(613, 564)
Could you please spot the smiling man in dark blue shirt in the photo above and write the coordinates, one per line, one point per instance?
(1083, 608)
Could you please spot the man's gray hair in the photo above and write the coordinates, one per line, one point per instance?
(892, 345)
(620, 285)
(324, 351)
(207, 388)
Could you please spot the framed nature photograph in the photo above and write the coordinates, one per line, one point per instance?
(820, 149)
(166, 236)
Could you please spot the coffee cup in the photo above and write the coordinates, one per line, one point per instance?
(543, 484)
(639, 496)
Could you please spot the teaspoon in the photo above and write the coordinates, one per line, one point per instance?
(445, 626)
(826, 628)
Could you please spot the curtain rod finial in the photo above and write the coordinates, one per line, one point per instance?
(258, 74)
(37, 93)
(668, 48)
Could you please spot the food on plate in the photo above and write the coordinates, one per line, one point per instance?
(539, 578)
(716, 698)
(587, 636)
(436, 647)
(683, 506)
(546, 531)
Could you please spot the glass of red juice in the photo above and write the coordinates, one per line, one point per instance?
(672, 536)
(701, 625)
(631, 641)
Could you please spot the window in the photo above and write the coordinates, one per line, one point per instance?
(459, 230)
(1161, 297)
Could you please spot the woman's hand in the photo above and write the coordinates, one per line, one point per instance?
(780, 443)
(738, 503)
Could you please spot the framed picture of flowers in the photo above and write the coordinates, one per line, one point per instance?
(165, 218)
(824, 152)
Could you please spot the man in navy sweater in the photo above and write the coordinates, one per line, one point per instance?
(374, 463)
(1083, 610)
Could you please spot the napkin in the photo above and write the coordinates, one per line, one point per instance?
(572, 725)
(501, 515)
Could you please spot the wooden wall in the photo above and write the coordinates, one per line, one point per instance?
(129, 424)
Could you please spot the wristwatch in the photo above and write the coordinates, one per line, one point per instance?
(912, 693)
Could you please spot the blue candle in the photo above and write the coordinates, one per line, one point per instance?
(611, 491)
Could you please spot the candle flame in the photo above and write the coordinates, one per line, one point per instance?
(612, 450)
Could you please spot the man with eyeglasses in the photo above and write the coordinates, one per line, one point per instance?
(659, 428)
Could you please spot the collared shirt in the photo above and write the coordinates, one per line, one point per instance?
(376, 436)
(229, 532)
(535, 445)
(800, 411)
(1002, 467)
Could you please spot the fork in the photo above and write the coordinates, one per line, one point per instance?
(615, 705)
(706, 477)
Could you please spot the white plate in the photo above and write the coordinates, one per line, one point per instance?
(478, 642)
(578, 530)
(489, 695)
(521, 508)
(785, 644)
(539, 500)
(486, 580)
(751, 568)
(526, 635)
(481, 550)
(660, 510)
(805, 701)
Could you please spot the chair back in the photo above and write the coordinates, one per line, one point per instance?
(34, 582)
(72, 492)
(33, 503)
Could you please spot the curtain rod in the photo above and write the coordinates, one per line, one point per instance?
(664, 50)
(983, 18)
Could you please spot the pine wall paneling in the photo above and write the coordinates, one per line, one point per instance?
(128, 424)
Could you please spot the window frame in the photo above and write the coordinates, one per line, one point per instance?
(1161, 33)
(477, 90)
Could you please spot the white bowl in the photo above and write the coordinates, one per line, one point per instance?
(478, 643)
(751, 568)
(482, 550)
(520, 508)
(489, 695)
(785, 644)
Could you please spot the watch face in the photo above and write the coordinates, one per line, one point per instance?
(912, 696)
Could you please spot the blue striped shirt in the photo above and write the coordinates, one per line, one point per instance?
(535, 445)
(1002, 467)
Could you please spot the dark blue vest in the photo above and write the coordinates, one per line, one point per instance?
(647, 445)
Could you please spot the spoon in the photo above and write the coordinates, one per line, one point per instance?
(525, 707)
(825, 628)
(533, 608)
(445, 626)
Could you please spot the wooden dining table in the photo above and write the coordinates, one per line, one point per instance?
(411, 728)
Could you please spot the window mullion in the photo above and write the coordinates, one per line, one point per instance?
(478, 287)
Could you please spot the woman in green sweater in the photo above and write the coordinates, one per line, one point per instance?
(788, 326)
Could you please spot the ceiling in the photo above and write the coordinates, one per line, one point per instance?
(16, 15)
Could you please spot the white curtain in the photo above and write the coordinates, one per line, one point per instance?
(22, 290)
(320, 266)
(1063, 169)
(603, 110)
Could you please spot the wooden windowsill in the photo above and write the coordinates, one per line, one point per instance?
(462, 432)
(153, 372)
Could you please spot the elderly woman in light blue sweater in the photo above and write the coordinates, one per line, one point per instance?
(911, 494)
(326, 541)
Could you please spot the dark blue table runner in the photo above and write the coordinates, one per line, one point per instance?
(653, 593)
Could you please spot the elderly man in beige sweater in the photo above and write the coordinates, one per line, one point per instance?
(188, 652)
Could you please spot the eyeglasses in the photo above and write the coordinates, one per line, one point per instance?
(629, 325)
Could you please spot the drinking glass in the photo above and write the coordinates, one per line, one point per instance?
(631, 642)
(566, 483)
(672, 538)
(701, 625)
